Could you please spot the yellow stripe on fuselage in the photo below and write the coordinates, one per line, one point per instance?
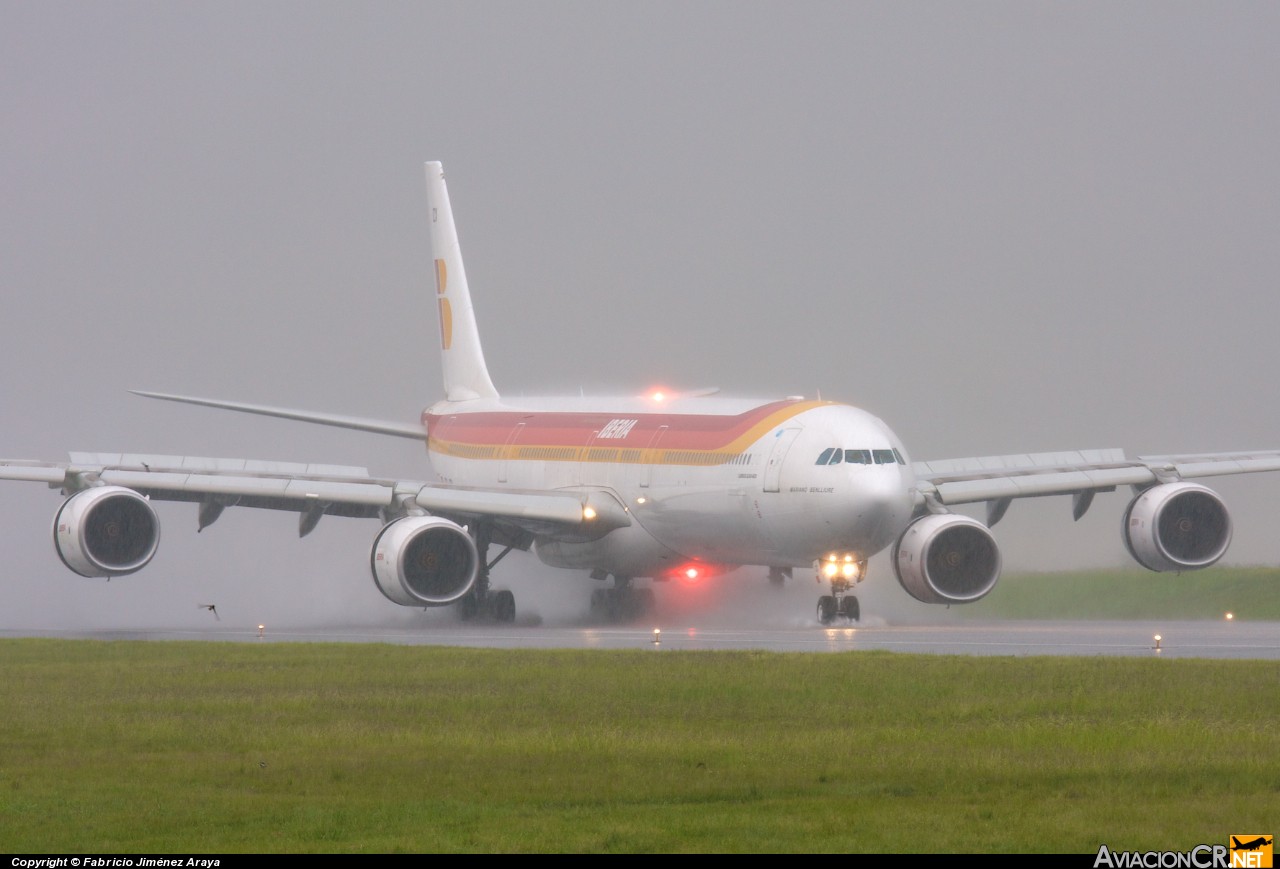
(733, 450)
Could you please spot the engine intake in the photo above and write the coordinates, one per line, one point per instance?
(106, 531)
(423, 561)
(1177, 526)
(946, 558)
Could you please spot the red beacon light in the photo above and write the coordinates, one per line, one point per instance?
(692, 573)
(657, 394)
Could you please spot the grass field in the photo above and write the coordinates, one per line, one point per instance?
(1251, 593)
(138, 748)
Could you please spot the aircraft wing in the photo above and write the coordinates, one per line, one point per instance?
(317, 490)
(999, 479)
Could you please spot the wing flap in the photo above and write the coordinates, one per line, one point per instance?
(557, 507)
(34, 471)
(285, 489)
(974, 465)
(146, 462)
(1031, 485)
(1215, 464)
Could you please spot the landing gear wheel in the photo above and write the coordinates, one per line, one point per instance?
(849, 608)
(502, 604)
(468, 608)
(826, 609)
(621, 604)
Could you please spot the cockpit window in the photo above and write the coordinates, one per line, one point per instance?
(836, 455)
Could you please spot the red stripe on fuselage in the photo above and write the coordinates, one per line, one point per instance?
(575, 429)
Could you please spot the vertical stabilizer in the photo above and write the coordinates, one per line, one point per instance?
(465, 374)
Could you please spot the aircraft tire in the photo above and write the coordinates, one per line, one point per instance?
(503, 605)
(468, 608)
(849, 608)
(826, 609)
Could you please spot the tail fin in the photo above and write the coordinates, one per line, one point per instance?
(465, 374)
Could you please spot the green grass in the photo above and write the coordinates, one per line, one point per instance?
(134, 747)
(1250, 593)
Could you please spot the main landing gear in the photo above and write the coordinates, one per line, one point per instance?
(484, 601)
(622, 603)
(843, 574)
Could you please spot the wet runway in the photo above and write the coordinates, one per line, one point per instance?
(1193, 639)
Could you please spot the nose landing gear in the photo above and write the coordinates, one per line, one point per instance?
(843, 573)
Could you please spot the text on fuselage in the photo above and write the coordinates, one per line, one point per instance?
(617, 428)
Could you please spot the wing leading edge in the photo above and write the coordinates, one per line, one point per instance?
(1003, 478)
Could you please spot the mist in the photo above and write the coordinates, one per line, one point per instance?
(1001, 227)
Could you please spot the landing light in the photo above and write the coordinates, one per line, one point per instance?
(1230, 616)
(588, 513)
(846, 566)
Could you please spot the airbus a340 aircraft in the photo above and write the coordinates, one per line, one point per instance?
(637, 488)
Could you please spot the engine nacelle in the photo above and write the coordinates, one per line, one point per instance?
(1177, 526)
(106, 531)
(423, 561)
(946, 558)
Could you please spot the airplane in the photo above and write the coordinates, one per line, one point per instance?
(637, 489)
(1251, 845)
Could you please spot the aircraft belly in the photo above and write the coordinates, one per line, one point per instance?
(630, 551)
(714, 524)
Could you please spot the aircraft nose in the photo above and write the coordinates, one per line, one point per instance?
(883, 504)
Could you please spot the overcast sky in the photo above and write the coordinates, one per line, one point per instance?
(1002, 227)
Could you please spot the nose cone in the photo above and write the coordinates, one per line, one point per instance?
(883, 505)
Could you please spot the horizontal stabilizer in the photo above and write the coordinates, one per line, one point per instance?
(397, 429)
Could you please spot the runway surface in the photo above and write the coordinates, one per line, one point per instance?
(1196, 639)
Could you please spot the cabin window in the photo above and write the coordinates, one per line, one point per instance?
(898, 456)
(858, 457)
(884, 457)
(826, 456)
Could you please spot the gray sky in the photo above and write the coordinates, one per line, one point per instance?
(1002, 227)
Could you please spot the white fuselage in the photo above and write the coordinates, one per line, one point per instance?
(712, 480)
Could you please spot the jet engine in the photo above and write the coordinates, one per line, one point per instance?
(1177, 526)
(423, 561)
(946, 558)
(106, 531)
